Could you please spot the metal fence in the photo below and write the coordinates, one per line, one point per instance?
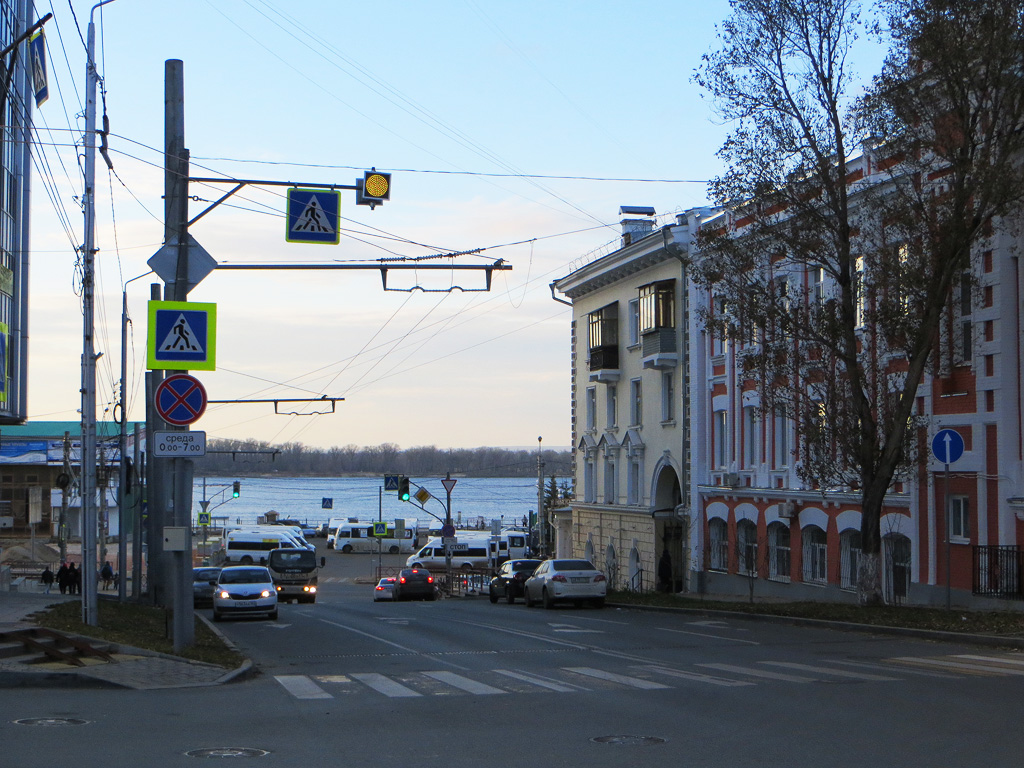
(997, 571)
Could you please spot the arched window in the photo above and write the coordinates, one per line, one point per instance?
(896, 568)
(815, 553)
(778, 551)
(849, 559)
(718, 537)
(746, 547)
(611, 566)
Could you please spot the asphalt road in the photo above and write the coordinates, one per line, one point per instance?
(461, 682)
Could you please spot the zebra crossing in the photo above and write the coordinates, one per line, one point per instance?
(649, 677)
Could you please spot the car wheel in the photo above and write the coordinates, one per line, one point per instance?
(493, 596)
(417, 565)
(598, 602)
(510, 596)
(546, 599)
(393, 550)
(273, 615)
(526, 598)
(246, 560)
(217, 616)
(347, 549)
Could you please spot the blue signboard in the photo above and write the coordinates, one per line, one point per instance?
(390, 482)
(314, 216)
(182, 336)
(326, 502)
(947, 445)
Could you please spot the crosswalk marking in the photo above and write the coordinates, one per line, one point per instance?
(385, 685)
(969, 669)
(600, 674)
(550, 685)
(301, 687)
(998, 660)
(463, 683)
(889, 668)
(697, 676)
(827, 671)
(760, 673)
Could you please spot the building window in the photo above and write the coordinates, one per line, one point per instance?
(718, 536)
(591, 408)
(816, 276)
(750, 437)
(720, 339)
(849, 559)
(815, 555)
(778, 552)
(960, 523)
(668, 395)
(720, 434)
(636, 402)
(633, 483)
(589, 481)
(746, 547)
(860, 292)
(612, 405)
(603, 336)
(782, 447)
(634, 322)
(657, 305)
(610, 491)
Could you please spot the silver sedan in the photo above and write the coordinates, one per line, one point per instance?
(578, 581)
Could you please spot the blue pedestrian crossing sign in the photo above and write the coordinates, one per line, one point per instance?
(326, 502)
(314, 216)
(182, 336)
(391, 483)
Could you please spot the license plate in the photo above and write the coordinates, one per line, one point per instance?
(579, 579)
(245, 603)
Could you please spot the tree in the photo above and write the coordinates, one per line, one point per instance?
(837, 284)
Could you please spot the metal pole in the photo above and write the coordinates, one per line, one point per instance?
(542, 516)
(137, 517)
(122, 462)
(949, 529)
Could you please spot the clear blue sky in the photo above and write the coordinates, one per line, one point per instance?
(316, 91)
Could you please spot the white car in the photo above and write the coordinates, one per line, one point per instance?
(245, 590)
(385, 589)
(575, 580)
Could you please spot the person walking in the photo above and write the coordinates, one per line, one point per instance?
(74, 580)
(107, 574)
(665, 572)
(47, 579)
(62, 577)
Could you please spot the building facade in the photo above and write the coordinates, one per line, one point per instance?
(16, 101)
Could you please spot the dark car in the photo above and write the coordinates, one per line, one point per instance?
(509, 580)
(202, 589)
(414, 584)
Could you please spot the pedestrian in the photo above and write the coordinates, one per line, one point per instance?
(665, 572)
(62, 577)
(74, 580)
(107, 574)
(47, 579)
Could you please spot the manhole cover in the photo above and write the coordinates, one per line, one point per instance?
(629, 741)
(228, 752)
(51, 721)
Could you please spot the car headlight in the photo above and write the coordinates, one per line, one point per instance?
(265, 593)
(223, 594)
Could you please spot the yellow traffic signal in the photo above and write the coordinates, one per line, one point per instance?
(374, 188)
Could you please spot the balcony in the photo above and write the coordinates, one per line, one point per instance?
(604, 363)
(659, 348)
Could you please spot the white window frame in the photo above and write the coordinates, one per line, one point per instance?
(589, 480)
(779, 554)
(634, 322)
(960, 518)
(720, 434)
(610, 486)
(591, 409)
(718, 538)
(746, 547)
(668, 394)
(635, 472)
(783, 451)
(815, 555)
(636, 402)
(751, 441)
(611, 405)
(849, 559)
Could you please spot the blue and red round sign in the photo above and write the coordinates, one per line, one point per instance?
(180, 399)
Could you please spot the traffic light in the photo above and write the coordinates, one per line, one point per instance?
(236, 489)
(374, 188)
(403, 488)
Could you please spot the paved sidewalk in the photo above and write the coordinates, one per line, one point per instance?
(133, 667)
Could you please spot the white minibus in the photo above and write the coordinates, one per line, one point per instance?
(476, 550)
(357, 536)
(247, 546)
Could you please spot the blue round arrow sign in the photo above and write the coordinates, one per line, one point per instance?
(180, 399)
(947, 445)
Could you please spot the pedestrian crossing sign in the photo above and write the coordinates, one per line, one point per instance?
(182, 336)
(314, 216)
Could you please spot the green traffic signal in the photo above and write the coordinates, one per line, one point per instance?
(403, 489)
(236, 489)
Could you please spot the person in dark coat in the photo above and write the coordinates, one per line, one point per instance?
(107, 574)
(63, 576)
(74, 580)
(47, 579)
(665, 572)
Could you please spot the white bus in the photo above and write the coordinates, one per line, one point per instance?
(357, 536)
(476, 550)
(250, 545)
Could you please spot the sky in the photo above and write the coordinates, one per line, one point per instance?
(516, 128)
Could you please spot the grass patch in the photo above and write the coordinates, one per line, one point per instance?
(140, 626)
(1005, 623)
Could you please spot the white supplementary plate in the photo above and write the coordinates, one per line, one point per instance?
(179, 444)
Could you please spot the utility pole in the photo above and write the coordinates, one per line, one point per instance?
(65, 489)
(542, 515)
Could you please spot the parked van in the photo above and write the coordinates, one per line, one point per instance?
(332, 530)
(479, 551)
(357, 536)
(252, 545)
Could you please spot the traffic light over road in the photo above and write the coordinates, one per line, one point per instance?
(236, 489)
(373, 189)
(403, 488)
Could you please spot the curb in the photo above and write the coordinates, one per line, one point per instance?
(845, 626)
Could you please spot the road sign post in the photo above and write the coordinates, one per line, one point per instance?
(948, 447)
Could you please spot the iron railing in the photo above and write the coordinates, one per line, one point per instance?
(997, 571)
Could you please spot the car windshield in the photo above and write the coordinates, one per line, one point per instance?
(299, 558)
(205, 574)
(244, 576)
(525, 565)
(573, 565)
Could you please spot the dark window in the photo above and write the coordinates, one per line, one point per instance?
(657, 305)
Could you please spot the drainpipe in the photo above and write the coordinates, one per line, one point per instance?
(560, 301)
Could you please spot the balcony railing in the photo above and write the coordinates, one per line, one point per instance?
(604, 358)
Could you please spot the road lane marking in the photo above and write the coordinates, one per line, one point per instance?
(968, 669)
(698, 677)
(384, 685)
(463, 683)
(994, 660)
(889, 668)
(301, 687)
(632, 682)
(715, 637)
(760, 673)
(550, 685)
(828, 671)
(392, 644)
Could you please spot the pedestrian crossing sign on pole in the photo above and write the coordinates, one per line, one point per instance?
(314, 216)
(182, 336)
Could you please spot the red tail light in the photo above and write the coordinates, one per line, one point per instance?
(402, 580)
(599, 577)
(430, 579)
(559, 577)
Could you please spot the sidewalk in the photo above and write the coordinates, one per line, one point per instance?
(133, 667)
